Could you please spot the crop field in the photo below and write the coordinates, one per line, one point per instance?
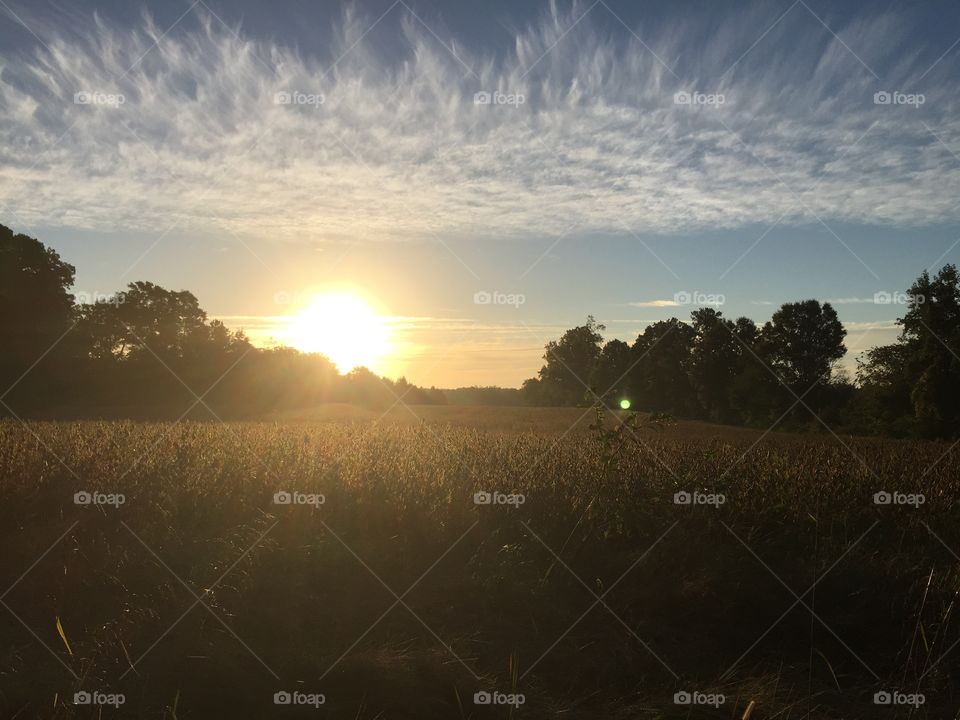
(480, 563)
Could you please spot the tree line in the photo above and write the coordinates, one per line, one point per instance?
(149, 352)
(784, 372)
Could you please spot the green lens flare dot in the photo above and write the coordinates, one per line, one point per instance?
(625, 404)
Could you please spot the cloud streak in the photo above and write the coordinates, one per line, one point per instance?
(395, 148)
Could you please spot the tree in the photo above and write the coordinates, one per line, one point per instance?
(931, 329)
(915, 383)
(35, 311)
(532, 390)
(610, 374)
(885, 403)
(714, 362)
(805, 340)
(144, 344)
(659, 380)
(569, 364)
(756, 396)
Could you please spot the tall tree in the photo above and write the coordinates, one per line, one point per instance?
(660, 378)
(917, 380)
(35, 308)
(714, 362)
(610, 374)
(806, 340)
(569, 364)
(145, 343)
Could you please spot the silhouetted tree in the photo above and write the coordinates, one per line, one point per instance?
(569, 364)
(610, 374)
(714, 362)
(532, 390)
(756, 396)
(152, 345)
(35, 313)
(804, 340)
(914, 385)
(885, 389)
(660, 378)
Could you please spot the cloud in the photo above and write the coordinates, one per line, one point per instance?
(656, 303)
(381, 147)
(851, 301)
(885, 325)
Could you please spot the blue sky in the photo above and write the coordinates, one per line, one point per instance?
(588, 185)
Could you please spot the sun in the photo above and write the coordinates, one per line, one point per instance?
(342, 326)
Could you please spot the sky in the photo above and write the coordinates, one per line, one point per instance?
(488, 174)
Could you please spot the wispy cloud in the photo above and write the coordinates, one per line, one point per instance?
(395, 147)
(655, 303)
(851, 301)
(879, 325)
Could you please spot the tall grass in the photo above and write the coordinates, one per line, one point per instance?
(299, 597)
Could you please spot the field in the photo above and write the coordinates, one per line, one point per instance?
(584, 590)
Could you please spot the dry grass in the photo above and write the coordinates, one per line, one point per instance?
(499, 594)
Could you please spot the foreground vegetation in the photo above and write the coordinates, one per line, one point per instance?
(400, 597)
